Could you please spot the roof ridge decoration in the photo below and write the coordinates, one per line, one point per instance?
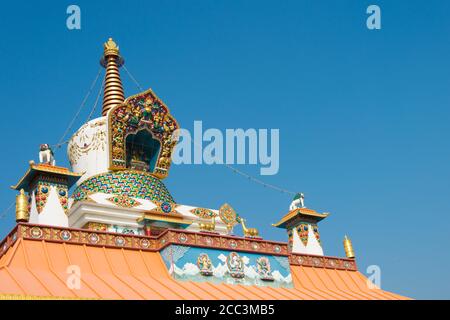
(142, 111)
(27, 231)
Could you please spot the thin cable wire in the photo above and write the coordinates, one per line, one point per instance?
(60, 142)
(97, 99)
(251, 178)
(132, 78)
(5, 212)
(267, 185)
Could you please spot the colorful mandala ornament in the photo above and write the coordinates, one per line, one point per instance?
(145, 243)
(93, 238)
(165, 207)
(36, 233)
(182, 237)
(65, 235)
(119, 241)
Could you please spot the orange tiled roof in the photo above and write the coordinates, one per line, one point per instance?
(38, 268)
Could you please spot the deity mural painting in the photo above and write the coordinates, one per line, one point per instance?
(205, 265)
(235, 265)
(232, 267)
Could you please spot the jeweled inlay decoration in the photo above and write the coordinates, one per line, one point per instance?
(165, 207)
(124, 201)
(203, 213)
(41, 195)
(128, 183)
(303, 230)
(316, 233)
(63, 197)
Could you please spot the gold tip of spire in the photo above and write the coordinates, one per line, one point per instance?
(111, 48)
(22, 213)
(348, 247)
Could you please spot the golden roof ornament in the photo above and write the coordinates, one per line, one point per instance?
(348, 247)
(111, 48)
(111, 60)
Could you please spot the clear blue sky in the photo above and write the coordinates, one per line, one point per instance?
(363, 115)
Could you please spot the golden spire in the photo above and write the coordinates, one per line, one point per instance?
(22, 214)
(113, 91)
(348, 247)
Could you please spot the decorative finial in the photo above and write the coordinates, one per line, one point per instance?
(348, 247)
(111, 48)
(112, 60)
(228, 216)
(298, 202)
(22, 213)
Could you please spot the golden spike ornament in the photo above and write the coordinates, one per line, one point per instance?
(22, 212)
(113, 93)
(348, 247)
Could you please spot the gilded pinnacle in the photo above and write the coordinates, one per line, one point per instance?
(111, 48)
(111, 60)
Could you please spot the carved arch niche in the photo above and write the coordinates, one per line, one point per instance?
(144, 111)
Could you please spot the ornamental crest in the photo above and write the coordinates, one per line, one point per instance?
(228, 215)
(141, 135)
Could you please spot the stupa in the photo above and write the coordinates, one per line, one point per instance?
(109, 228)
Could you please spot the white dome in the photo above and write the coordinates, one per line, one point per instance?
(88, 149)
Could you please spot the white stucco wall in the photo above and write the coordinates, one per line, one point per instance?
(88, 149)
(313, 246)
